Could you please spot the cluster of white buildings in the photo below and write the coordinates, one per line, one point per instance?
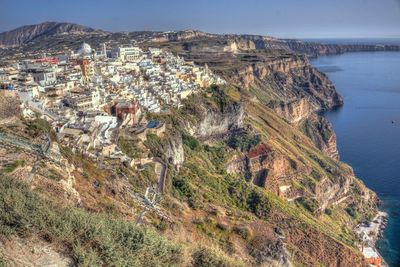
(88, 94)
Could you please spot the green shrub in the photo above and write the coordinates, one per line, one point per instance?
(154, 143)
(184, 190)
(328, 212)
(309, 183)
(38, 127)
(217, 156)
(243, 231)
(93, 239)
(352, 211)
(205, 257)
(191, 142)
(130, 148)
(181, 186)
(308, 203)
(249, 197)
(11, 166)
(259, 204)
(243, 141)
(218, 97)
(3, 263)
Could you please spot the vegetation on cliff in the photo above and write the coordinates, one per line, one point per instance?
(247, 184)
(203, 184)
(92, 239)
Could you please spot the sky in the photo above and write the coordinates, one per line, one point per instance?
(279, 18)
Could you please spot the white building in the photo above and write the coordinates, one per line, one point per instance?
(85, 50)
(44, 77)
(128, 53)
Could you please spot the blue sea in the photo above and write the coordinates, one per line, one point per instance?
(368, 129)
(370, 41)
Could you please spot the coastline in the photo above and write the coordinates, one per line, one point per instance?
(384, 243)
(369, 233)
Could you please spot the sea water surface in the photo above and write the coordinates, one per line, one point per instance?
(368, 129)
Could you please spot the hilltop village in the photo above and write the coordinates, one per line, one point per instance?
(90, 95)
(130, 155)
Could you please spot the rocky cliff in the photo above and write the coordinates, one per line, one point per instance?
(217, 123)
(311, 48)
(296, 110)
(320, 131)
(288, 164)
(318, 49)
(275, 76)
(172, 149)
(302, 169)
(290, 85)
(213, 119)
(178, 36)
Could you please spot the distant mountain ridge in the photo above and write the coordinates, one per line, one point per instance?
(28, 33)
(53, 36)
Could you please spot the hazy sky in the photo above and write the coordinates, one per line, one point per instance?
(281, 18)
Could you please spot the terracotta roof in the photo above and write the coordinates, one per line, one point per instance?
(257, 151)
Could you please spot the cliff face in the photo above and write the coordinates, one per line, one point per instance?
(268, 68)
(288, 83)
(298, 167)
(318, 49)
(292, 89)
(282, 93)
(320, 131)
(313, 49)
(178, 36)
(172, 148)
(213, 122)
(216, 123)
(263, 69)
(296, 110)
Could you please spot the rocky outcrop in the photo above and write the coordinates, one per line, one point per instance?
(237, 164)
(178, 36)
(295, 111)
(329, 192)
(313, 49)
(217, 123)
(32, 253)
(265, 167)
(288, 82)
(331, 148)
(262, 69)
(318, 49)
(267, 247)
(9, 106)
(213, 122)
(239, 44)
(172, 148)
(320, 131)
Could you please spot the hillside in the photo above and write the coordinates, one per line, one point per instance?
(253, 174)
(287, 207)
(29, 33)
